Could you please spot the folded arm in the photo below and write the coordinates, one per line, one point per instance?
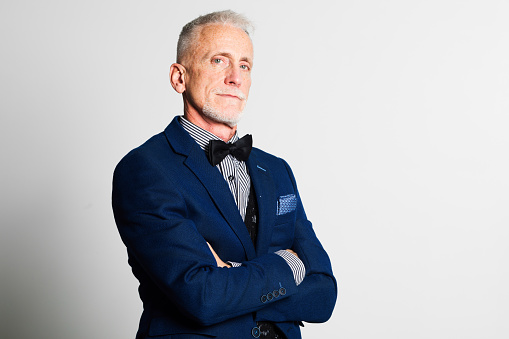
(166, 248)
(316, 296)
(291, 258)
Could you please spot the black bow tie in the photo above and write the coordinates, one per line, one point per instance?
(240, 149)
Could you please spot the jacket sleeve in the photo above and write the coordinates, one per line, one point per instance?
(165, 247)
(316, 295)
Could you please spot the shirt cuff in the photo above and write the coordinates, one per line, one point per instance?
(296, 265)
(234, 264)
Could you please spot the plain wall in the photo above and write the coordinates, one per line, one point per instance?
(392, 114)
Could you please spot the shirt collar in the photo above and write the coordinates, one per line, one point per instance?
(201, 136)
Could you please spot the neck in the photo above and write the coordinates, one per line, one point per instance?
(221, 130)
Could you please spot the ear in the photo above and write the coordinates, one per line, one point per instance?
(177, 78)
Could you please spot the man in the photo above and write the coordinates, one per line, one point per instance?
(216, 232)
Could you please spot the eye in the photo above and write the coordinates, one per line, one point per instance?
(246, 67)
(219, 60)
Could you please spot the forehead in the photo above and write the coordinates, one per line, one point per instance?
(222, 38)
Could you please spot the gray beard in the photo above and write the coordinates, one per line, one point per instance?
(212, 113)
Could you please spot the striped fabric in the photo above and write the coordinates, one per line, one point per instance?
(297, 266)
(236, 175)
(233, 171)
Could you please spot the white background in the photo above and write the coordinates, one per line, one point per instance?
(393, 115)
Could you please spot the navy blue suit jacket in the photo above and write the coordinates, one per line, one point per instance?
(168, 201)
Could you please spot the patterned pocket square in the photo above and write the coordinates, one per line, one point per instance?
(286, 204)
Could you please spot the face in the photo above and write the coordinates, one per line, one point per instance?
(218, 73)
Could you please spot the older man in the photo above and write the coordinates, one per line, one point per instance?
(215, 230)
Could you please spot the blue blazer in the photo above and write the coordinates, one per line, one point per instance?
(169, 201)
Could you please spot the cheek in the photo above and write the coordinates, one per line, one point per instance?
(247, 86)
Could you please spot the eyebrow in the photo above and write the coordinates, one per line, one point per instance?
(229, 55)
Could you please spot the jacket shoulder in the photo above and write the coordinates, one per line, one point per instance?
(146, 152)
(158, 146)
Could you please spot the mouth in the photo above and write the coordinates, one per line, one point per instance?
(228, 94)
(233, 96)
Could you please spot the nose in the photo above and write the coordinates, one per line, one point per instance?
(233, 77)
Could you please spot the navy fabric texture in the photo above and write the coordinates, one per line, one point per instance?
(169, 201)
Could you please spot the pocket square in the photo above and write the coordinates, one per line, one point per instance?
(286, 204)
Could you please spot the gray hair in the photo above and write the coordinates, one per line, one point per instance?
(190, 30)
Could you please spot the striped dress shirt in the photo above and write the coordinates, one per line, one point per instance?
(235, 173)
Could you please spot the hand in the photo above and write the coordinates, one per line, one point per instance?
(219, 262)
(291, 251)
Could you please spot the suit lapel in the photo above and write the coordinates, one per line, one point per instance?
(212, 180)
(263, 183)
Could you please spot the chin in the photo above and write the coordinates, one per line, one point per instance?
(227, 117)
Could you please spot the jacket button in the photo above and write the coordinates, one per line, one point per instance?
(255, 332)
(264, 298)
(269, 296)
(282, 291)
(275, 293)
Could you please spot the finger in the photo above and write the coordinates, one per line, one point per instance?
(292, 252)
